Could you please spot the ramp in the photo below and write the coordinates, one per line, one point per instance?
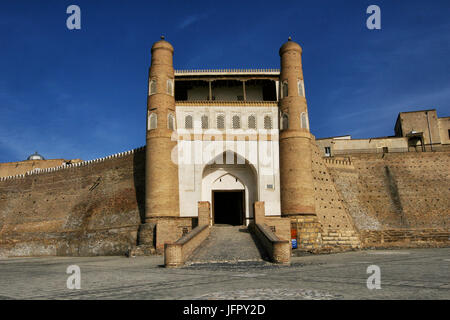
(228, 244)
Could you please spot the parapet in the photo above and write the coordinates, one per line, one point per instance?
(342, 162)
(74, 165)
(201, 72)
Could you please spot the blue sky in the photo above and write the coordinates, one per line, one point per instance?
(82, 94)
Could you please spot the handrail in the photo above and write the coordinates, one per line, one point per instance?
(277, 249)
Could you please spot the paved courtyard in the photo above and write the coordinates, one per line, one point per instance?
(405, 274)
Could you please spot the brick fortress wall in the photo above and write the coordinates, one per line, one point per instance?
(397, 199)
(89, 208)
(95, 207)
(332, 227)
(22, 167)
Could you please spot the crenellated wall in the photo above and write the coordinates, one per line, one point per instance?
(22, 167)
(88, 208)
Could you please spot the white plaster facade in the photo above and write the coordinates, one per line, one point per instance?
(250, 165)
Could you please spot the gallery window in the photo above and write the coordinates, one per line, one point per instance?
(188, 123)
(236, 122)
(205, 122)
(220, 121)
(252, 122)
(267, 122)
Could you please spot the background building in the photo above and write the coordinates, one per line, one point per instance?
(415, 131)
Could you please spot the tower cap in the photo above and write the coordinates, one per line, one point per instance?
(290, 45)
(162, 44)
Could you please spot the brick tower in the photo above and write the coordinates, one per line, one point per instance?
(297, 189)
(161, 174)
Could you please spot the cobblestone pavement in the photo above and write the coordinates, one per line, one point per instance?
(405, 274)
(228, 244)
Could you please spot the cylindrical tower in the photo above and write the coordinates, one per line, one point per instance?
(161, 173)
(297, 189)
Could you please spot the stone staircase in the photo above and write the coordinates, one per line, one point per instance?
(228, 244)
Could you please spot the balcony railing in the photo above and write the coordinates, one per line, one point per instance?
(203, 103)
(270, 71)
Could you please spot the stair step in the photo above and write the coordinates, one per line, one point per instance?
(228, 244)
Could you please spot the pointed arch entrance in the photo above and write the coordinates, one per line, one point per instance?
(231, 189)
(228, 199)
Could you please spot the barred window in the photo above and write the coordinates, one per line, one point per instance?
(252, 122)
(152, 121)
(170, 122)
(301, 92)
(152, 87)
(236, 122)
(267, 122)
(220, 121)
(188, 123)
(205, 122)
(170, 87)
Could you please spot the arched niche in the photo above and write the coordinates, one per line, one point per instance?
(220, 175)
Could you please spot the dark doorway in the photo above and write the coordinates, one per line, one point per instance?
(228, 207)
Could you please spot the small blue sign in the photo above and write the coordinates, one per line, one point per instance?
(294, 243)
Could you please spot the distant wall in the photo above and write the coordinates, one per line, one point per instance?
(90, 208)
(351, 146)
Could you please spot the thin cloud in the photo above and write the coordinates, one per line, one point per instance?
(191, 19)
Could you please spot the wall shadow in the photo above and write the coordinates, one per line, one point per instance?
(139, 180)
